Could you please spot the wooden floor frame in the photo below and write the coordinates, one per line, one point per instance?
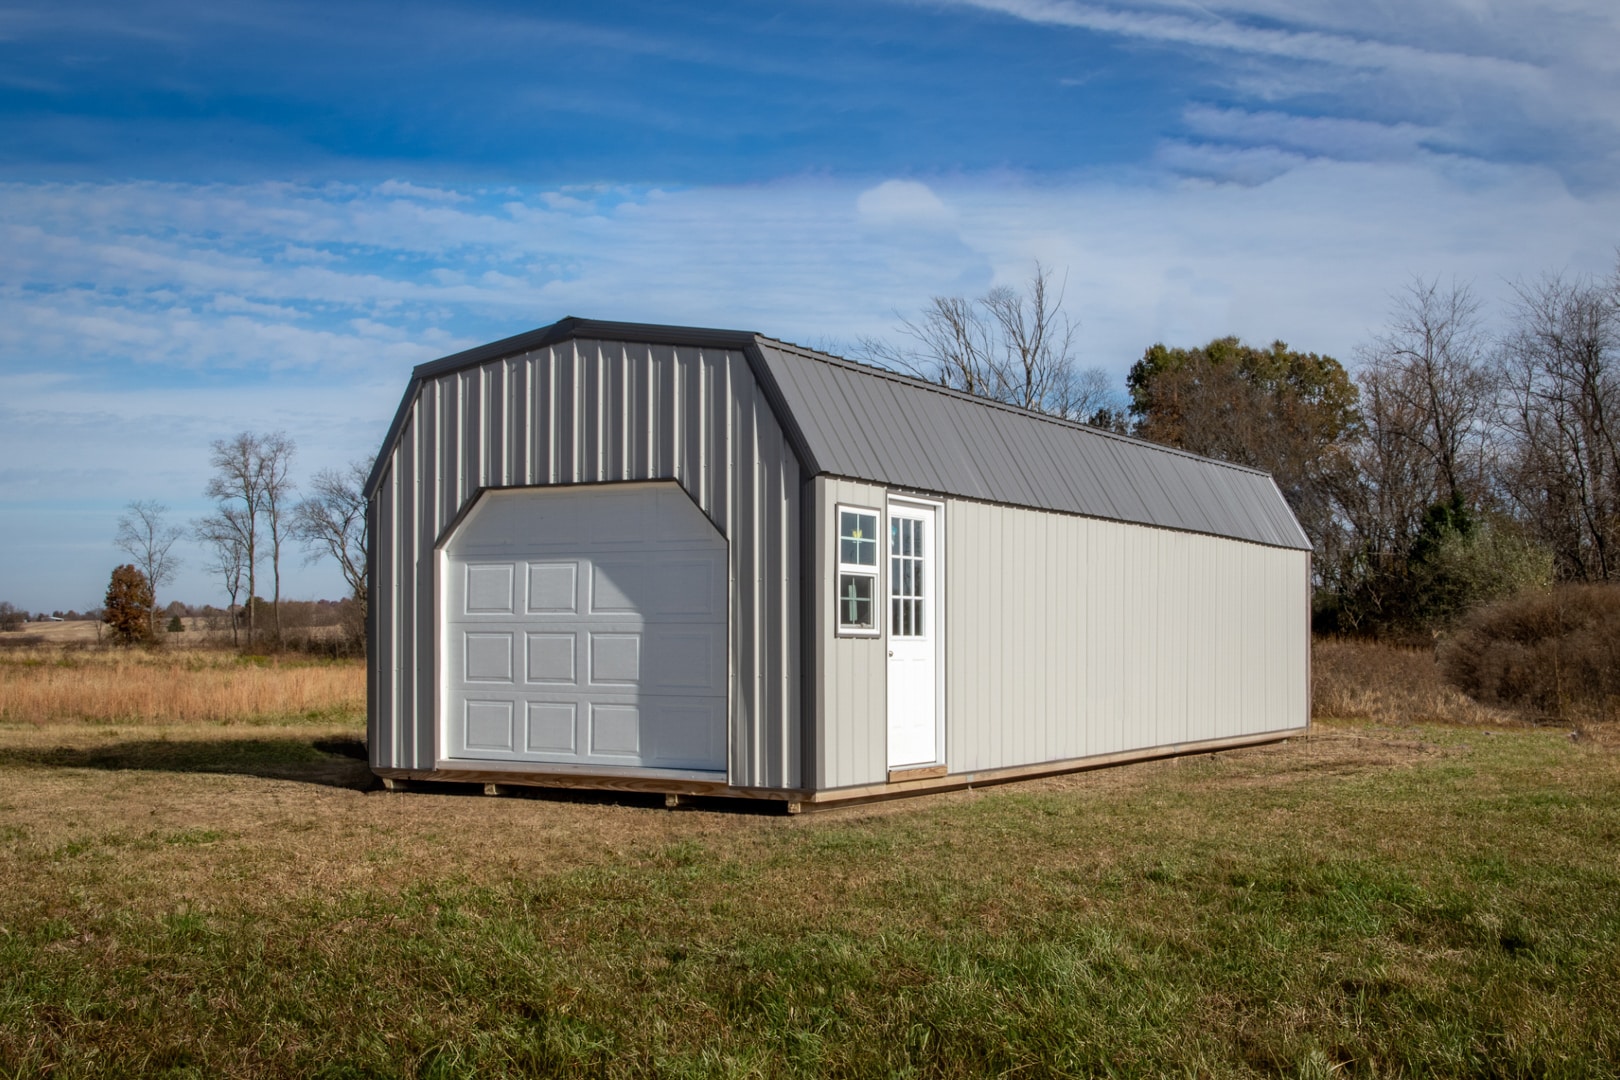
(796, 800)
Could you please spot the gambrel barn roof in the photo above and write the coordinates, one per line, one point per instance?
(858, 422)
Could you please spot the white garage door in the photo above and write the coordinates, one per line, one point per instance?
(586, 626)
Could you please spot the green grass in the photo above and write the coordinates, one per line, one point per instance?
(1326, 910)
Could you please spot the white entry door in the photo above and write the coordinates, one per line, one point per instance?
(913, 636)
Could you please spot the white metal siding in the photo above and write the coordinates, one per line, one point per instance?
(851, 733)
(592, 412)
(1069, 637)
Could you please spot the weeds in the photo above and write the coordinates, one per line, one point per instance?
(1370, 680)
(174, 686)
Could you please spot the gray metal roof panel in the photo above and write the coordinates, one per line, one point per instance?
(869, 424)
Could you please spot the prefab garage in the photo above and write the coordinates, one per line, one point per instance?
(704, 561)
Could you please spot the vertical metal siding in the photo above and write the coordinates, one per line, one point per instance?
(587, 412)
(1069, 636)
(851, 693)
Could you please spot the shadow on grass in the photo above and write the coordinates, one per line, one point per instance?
(328, 762)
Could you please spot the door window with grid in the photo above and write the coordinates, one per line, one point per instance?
(908, 570)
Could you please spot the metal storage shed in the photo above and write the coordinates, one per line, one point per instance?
(708, 562)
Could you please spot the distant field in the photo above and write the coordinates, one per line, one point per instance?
(174, 685)
(1379, 899)
(53, 633)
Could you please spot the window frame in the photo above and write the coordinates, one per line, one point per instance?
(874, 572)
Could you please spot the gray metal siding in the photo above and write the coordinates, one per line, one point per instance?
(851, 692)
(865, 424)
(577, 412)
(1069, 637)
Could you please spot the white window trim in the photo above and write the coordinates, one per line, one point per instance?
(875, 572)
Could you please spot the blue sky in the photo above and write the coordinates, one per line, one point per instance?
(227, 216)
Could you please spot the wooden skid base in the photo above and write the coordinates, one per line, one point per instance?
(901, 782)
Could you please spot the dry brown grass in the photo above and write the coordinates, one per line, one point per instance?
(1393, 684)
(174, 686)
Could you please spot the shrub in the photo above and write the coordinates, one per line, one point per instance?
(1549, 654)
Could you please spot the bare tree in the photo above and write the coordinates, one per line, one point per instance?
(276, 454)
(1014, 346)
(251, 477)
(1380, 504)
(331, 522)
(237, 486)
(145, 533)
(1430, 368)
(225, 536)
(1560, 411)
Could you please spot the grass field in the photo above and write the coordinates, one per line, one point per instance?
(175, 686)
(1379, 899)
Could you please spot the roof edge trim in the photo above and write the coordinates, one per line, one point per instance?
(766, 378)
(589, 329)
(912, 489)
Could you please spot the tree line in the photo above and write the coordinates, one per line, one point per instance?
(1448, 466)
(257, 514)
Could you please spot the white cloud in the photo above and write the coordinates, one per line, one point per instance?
(903, 203)
(1360, 140)
(138, 321)
(1209, 27)
(1495, 79)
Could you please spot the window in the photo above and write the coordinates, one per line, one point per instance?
(857, 571)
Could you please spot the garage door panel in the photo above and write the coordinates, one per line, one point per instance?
(690, 659)
(615, 730)
(552, 728)
(689, 585)
(552, 658)
(553, 587)
(619, 584)
(687, 733)
(615, 659)
(587, 627)
(488, 656)
(489, 725)
(489, 588)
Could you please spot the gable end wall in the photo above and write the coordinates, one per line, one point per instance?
(582, 412)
